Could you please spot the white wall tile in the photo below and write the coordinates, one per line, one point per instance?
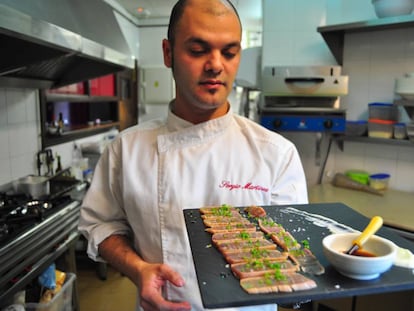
(5, 171)
(356, 102)
(406, 154)
(380, 151)
(348, 11)
(18, 140)
(310, 49)
(4, 143)
(387, 45)
(403, 179)
(279, 46)
(357, 47)
(19, 132)
(278, 15)
(16, 106)
(308, 15)
(31, 100)
(151, 52)
(409, 46)
(22, 165)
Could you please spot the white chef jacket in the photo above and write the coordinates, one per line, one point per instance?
(153, 171)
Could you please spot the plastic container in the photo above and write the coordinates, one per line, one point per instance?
(383, 111)
(380, 128)
(61, 302)
(400, 131)
(379, 181)
(359, 176)
(356, 128)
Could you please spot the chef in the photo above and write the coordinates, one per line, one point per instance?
(201, 154)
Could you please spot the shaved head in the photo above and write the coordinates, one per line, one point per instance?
(221, 7)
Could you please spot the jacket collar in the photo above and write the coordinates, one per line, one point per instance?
(182, 133)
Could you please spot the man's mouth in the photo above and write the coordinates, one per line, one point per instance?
(212, 82)
(212, 85)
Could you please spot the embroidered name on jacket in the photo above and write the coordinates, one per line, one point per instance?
(248, 186)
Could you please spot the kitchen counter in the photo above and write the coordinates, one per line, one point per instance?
(395, 207)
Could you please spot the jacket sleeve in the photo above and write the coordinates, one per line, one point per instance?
(290, 185)
(101, 213)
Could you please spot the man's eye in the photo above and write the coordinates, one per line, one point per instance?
(197, 52)
(231, 52)
(229, 55)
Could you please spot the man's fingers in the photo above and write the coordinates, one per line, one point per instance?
(172, 276)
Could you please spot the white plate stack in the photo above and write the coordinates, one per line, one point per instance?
(410, 131)
(404, 86)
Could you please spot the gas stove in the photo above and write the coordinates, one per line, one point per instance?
(19, 213)
(33, 234)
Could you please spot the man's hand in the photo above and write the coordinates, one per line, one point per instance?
(150, 278)
(153, 278)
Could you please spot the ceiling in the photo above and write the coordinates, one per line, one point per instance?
(250, 11)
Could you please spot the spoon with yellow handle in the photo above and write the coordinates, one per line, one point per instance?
(373, 226)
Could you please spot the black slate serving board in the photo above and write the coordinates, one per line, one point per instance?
(219, 288)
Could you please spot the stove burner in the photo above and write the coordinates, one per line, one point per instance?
(18, 213)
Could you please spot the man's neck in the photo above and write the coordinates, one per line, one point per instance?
(197, 116)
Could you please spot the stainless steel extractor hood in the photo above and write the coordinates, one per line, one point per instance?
(51, 43)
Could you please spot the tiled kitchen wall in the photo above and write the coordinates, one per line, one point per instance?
(19, 132)
(372, 60)
(20, 135)
(289, 33)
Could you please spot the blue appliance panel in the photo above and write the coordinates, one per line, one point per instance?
(334, 123)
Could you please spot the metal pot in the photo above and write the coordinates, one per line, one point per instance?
(34, 186)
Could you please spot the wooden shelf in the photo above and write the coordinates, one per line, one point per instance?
(334, 35)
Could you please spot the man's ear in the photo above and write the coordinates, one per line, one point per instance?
(167, 52)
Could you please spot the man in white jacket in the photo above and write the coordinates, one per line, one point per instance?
(201, 154)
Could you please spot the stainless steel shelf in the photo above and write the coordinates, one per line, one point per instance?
(79, 98)
(334, 35)
(339, 140)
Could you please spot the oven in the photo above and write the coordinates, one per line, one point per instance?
(303, 98)
(34, 233)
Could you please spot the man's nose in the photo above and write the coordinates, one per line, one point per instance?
(214, 62)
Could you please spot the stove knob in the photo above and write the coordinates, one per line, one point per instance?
(328, 124)
(277, 123)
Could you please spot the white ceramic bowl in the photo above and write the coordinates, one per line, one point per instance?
(356, 267)
(388, 8)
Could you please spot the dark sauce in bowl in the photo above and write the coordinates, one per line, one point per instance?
(361, 253)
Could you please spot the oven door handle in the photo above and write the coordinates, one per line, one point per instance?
(305, 79)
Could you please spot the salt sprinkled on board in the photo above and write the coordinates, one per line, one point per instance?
(320, 221)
